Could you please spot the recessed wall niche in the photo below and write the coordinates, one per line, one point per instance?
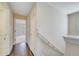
(73, 24)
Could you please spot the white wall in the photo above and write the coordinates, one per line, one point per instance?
(31, 29)
(45, 48)
(52, 24)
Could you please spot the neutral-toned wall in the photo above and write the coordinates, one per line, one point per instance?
(52, 24)
(6, 33)
(45, 48)
(31, 28)
(72, 49)
(73, 24)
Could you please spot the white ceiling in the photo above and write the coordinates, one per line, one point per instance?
(66, 7)
(21, 8)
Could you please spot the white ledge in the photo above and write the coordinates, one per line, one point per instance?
(72, 39)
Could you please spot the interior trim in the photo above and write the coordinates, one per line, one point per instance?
(11, 51)
(19, 16)
(30, 53)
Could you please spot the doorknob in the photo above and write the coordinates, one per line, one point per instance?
(14, 30)
(4, 38)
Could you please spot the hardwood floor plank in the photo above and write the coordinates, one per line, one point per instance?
(21, 49)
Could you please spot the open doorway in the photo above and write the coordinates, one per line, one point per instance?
(20, 31)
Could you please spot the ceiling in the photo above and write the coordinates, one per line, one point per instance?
(21, 8)
(66, 7)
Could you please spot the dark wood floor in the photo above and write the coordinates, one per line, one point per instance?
(21, 49)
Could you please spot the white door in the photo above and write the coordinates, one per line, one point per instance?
(20, 30)
(5, 32)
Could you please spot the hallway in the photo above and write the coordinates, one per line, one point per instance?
(50, 29)
(21, 49)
